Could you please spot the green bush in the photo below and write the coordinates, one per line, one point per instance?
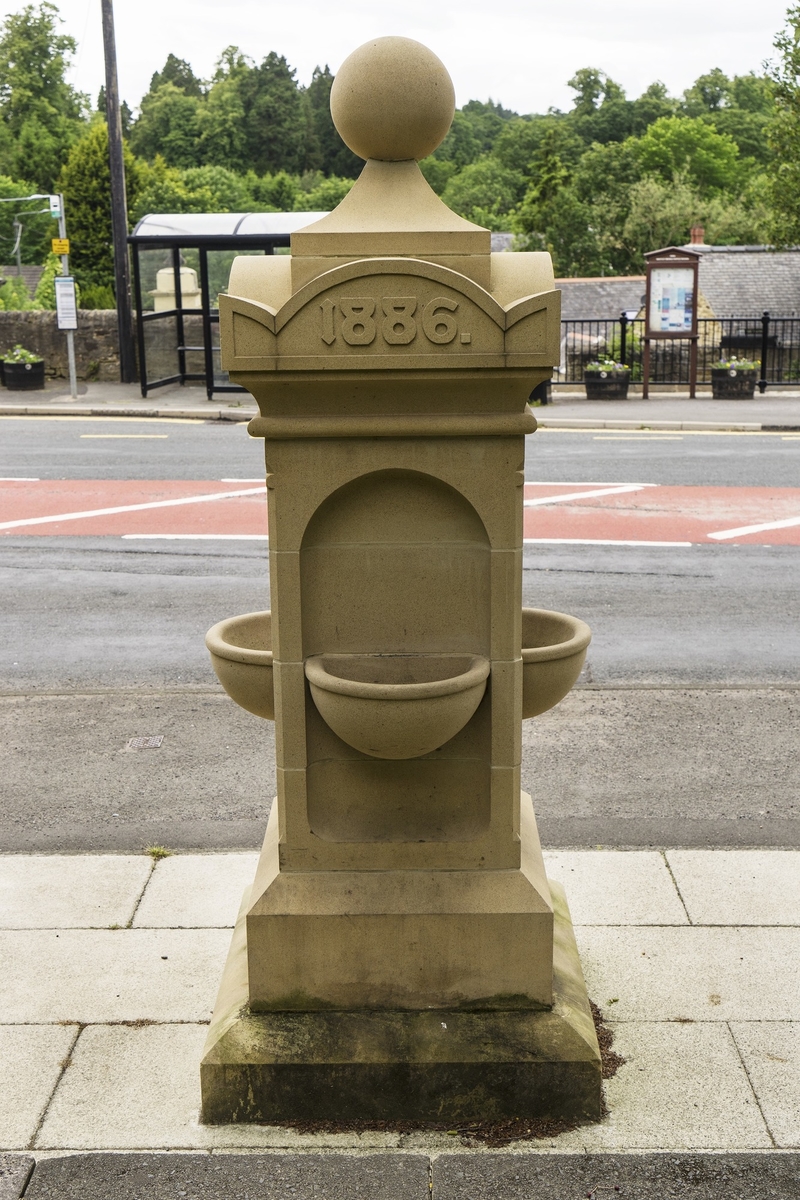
(98, 295)
(14, 296)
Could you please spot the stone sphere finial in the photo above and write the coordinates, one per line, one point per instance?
(392, 99)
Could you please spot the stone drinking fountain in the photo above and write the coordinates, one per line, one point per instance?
(401, 954)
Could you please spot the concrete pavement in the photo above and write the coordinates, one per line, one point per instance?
(112, 963)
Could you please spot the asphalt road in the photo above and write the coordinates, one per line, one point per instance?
(680, 733)
(120, 448)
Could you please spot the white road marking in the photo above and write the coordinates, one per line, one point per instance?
(196, 537)
(19, 479)
(743, 530)
(595, 542)
(123, 508)
(604, 491)
(128, 436)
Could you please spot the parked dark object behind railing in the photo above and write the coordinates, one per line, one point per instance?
(775, 341)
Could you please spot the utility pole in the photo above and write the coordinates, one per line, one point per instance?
(119, 204)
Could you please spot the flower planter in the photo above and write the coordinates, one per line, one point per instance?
(731, 383)
(607, 385)
(23, 377)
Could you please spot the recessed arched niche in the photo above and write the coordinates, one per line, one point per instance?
(396, 563)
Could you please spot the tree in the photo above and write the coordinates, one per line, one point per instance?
(41, 115)
(179, 73)
(784, 133)
(37, 227)
(710, 160)
(485, 192)
(335, 158)
(86, 183)
(600, 112)
(125, 113)
(169, 125)
(279, 130)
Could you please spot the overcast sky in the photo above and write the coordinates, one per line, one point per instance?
(519, 53)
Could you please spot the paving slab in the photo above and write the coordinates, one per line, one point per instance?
(196, 890)
(58, 892)
(770, 1051)
(132, 1087)
(231, 1177)
(15, 1171)
(682, 1087)
(692, 973)
(30, 1064)
(526, 1176)
(605, 887)
(110, 975)
(738, 887)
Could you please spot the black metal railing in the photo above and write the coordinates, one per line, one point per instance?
(772, 341)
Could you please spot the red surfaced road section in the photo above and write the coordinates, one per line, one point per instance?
(569, 511)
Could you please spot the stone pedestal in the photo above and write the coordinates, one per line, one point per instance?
(398, 956)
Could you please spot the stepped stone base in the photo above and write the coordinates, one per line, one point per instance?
(433, 1065)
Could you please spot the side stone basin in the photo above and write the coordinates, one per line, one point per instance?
(241, 654)
(553, 652)
(397, 705)
(431, 696)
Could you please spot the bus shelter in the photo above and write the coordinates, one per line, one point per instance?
(181, 264)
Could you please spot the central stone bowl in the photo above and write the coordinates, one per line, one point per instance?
(397, 705)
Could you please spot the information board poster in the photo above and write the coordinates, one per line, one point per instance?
(671, 300)
(66, 304)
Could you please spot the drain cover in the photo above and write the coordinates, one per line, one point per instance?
(148, 743)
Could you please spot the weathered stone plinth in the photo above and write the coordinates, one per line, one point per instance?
(390, 1065)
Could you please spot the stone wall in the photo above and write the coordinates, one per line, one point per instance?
(96, 346)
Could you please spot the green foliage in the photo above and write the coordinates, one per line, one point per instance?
(86, 183)
(45, 294)
(783, 133)
(41, 115)
(334, 157)
(169, 125)
(438, 172)
(485, 192)
(20, 355)
(37, 227)
(176, 71)
(325, 196)
(14, 296)
(98, 296)
(689, 146)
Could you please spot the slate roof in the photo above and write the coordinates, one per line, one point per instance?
(744, 281)
(737, 281)
(599, 299)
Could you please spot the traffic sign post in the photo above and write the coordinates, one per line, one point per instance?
(61, 246)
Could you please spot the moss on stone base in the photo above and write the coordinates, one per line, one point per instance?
(435, 1065)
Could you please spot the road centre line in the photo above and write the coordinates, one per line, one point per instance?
(123, 508)
(789, 523)
(144, 420)
(606, 491)
(139, 436)
(652, 437)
